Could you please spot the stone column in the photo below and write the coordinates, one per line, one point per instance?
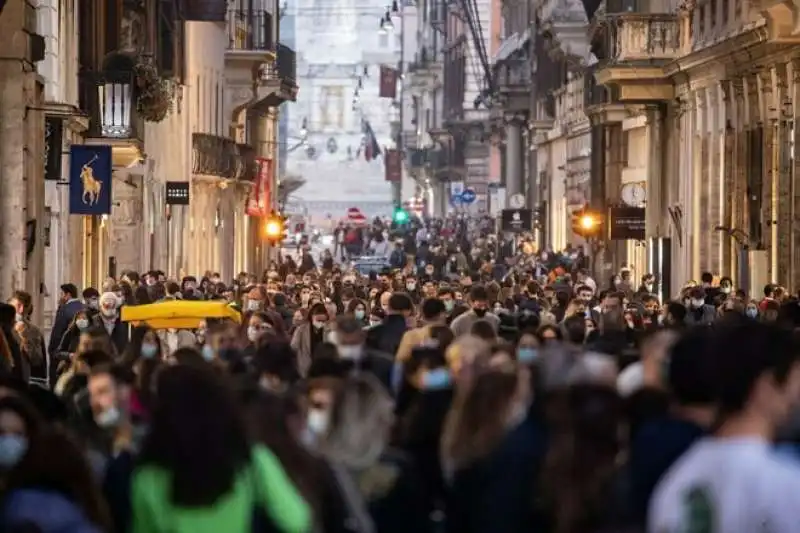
(655, 174)
(728, 155)
(21, 148)
(739, 203)
(515, 178)
(714, 182)
(126, 230)
(795, 182)
(698, 197)
(769, 175)
(782, 211)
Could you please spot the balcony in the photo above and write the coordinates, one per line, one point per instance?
(251, 36)
(426, 72)
(514, 80)
(220, 157)
(638, 47)
(109, 99)
(279, 79)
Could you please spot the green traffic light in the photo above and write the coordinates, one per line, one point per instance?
(400, 216)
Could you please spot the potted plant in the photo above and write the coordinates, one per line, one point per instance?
(154, 93)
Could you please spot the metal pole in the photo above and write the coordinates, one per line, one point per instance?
(397, 186)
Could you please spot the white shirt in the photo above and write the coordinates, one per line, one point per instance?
(737, 485)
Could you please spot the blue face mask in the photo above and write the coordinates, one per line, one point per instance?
(208, 352)
(12, 450)
(751, 312)
(527, 355)
(436, 379)
(149, 350)
(359, 314)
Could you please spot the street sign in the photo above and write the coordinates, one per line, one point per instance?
(516, 220)
(468, 196)
(516, 201)
(627, 223)
(177, 193)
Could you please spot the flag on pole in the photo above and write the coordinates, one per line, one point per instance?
(371, 147)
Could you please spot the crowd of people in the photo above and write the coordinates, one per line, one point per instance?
(462, 391)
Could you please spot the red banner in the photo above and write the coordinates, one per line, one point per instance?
(388, 82)
(393, 163)
(259, 203)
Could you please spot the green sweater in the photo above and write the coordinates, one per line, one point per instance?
(152, 511)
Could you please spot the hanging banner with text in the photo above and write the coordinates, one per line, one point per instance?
(259, 200)
(90, 180)
(53, 137)
(388, 82)
(393, 165)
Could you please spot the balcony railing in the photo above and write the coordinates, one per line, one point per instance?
(109, 98)
(286, 63)
(250, 30)
(642, 38)
(222, 157)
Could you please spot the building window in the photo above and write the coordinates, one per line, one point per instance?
(726, 6)
(701, 22)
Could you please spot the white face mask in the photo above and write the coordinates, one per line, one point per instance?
(697, 303)
(350, 352)
(411, 286)
(109, 312)
(253, 305)
(108, 418)
(317, 421)
(725, 290)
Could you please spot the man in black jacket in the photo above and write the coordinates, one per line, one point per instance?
(69, 305)
(386, 337)
(349, 337)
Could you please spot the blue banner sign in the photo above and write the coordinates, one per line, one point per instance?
(90, 180)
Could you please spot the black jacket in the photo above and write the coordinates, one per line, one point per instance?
(386, 337)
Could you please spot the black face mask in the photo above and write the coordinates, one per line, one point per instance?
(480, 312)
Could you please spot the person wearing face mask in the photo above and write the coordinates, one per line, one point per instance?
(751, 311)
(699, 312)
(109, 321)
(30, 505)
(358, 309)
(255, 300)
(479, 303)
(349, 338)
(309, 335)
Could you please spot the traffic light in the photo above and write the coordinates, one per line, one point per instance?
(274, 228)
(400, 215)
(586, 223)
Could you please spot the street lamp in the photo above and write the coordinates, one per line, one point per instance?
(304, 129)
(387, 21)
(382, 27)
(115, 95)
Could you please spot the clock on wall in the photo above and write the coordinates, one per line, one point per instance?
(634, 194)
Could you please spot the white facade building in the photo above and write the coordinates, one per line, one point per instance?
(339, 43)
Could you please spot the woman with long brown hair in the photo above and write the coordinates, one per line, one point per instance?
(490, 452)
(580, 487)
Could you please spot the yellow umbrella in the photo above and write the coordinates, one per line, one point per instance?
(178, 314)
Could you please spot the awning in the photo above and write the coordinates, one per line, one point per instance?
(510, 45)
(507, 47)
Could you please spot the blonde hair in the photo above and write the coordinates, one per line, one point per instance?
(361, 418)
